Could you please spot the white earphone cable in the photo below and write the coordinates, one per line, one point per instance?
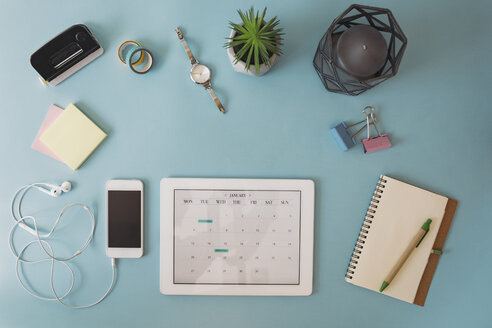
(20, 222)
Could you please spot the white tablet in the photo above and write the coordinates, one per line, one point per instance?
(236, 236)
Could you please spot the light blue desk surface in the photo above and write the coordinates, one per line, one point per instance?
(436, 110)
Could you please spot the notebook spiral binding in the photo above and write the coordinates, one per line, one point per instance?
(366, 225)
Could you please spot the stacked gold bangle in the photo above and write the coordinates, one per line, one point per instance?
(132, 62)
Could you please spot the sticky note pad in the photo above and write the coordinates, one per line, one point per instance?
(50, 117)
(72, 137)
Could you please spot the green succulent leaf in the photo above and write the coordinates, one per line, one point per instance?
(256, 38)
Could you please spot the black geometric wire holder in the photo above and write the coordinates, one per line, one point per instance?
(335, 78)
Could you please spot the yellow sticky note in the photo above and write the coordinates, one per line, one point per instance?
(73, 137)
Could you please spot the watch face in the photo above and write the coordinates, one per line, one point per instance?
(200, 73)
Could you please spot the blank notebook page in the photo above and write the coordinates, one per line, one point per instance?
(400, 214)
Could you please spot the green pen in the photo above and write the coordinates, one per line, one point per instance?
(424, 229)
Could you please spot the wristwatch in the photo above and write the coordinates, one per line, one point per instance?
(199, 73)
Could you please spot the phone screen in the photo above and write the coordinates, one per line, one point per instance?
(124, 218)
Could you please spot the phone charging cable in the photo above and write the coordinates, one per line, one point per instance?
(41, 240)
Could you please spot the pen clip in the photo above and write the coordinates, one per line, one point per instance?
(422, 238)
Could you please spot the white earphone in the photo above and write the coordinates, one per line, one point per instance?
(45, 246)
(54, 190)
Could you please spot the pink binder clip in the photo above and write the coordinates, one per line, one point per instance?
(375, 143)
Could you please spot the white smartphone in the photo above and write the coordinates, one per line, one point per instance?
(124, 218)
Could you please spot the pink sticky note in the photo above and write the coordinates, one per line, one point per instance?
(50, 117)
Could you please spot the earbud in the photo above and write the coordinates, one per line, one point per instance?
(66, 186)
(55, 190)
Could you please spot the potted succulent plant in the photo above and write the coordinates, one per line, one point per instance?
(254, 44)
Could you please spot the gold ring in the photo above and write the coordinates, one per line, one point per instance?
(140, 59)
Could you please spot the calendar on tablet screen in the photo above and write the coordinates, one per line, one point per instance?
(237, 237)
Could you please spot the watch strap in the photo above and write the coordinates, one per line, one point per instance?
(185, 45)
(208, 87)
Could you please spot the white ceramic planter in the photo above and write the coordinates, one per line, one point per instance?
(240, 66)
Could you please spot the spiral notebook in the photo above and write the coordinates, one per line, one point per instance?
(395, 213)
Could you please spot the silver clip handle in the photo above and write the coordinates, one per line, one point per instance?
(373, 119)
(360, 130)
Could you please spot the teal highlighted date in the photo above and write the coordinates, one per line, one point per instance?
(205, 221)
(221, 250)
